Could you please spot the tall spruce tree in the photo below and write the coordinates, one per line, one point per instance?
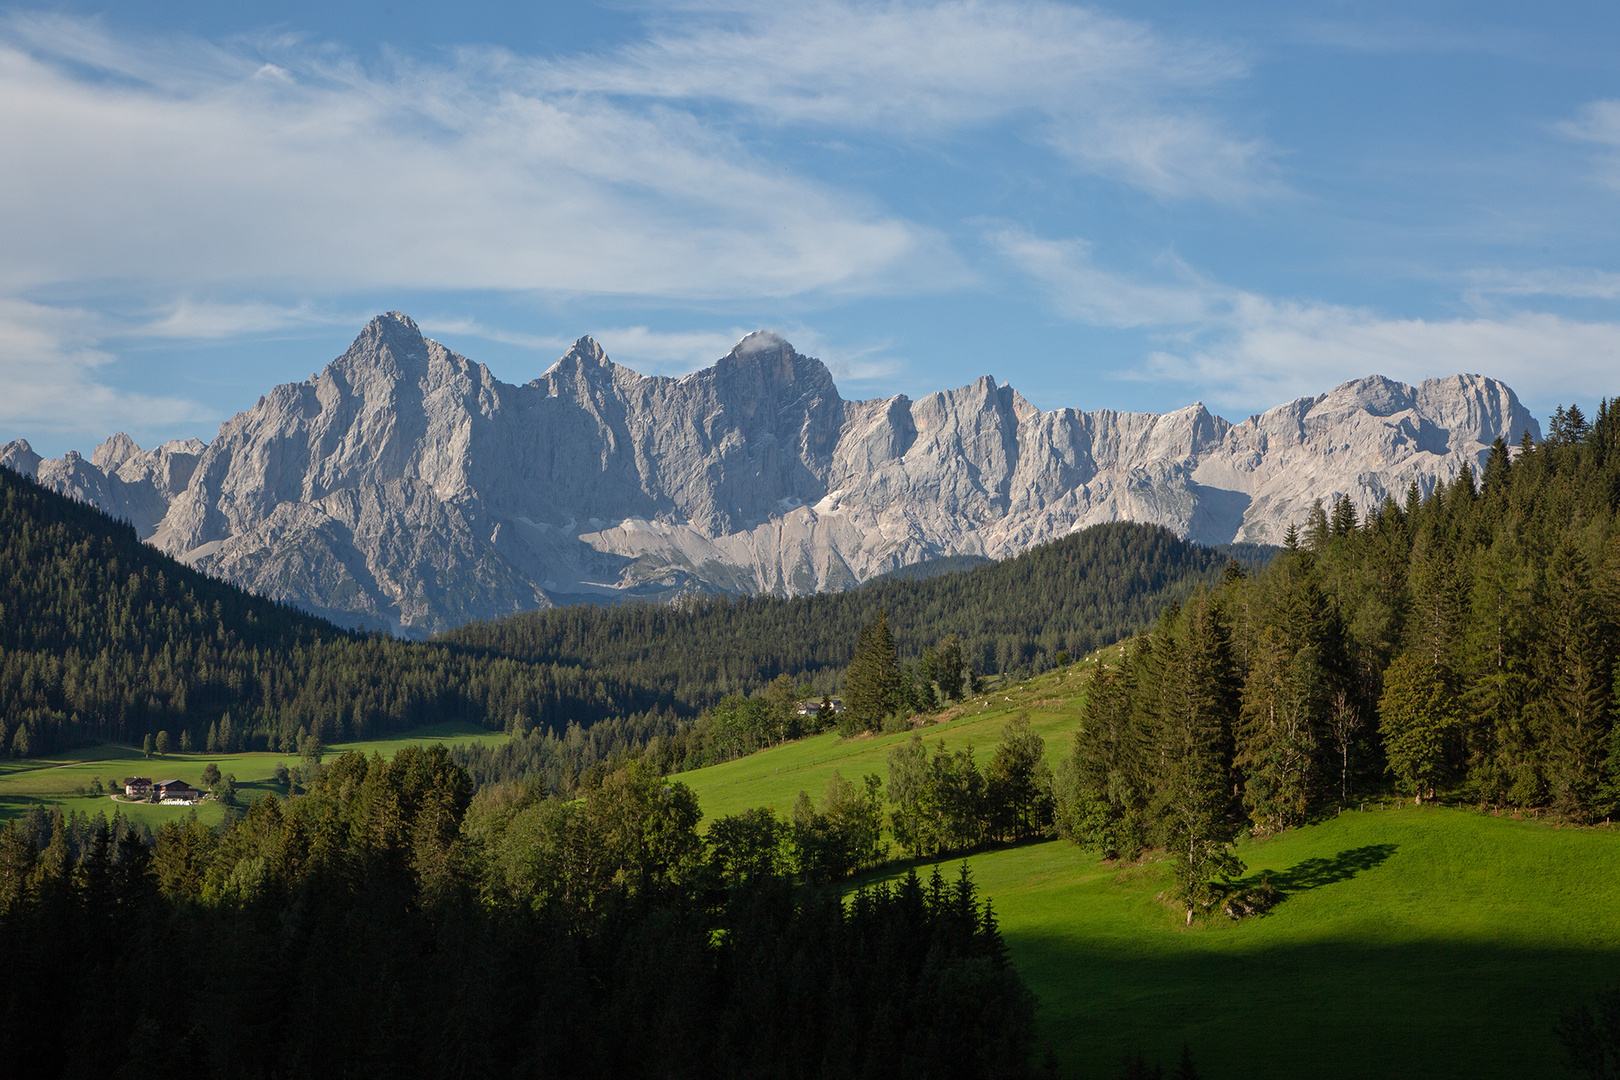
(872, 684)
(1101, 788)
(1198, 706)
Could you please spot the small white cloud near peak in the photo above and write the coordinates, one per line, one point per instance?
(759, 341)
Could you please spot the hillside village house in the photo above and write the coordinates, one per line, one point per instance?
(177, 790)
(137, 787)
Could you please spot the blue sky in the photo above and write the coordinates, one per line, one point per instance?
(1109, 206)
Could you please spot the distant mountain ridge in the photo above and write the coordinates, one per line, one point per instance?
(406, 487)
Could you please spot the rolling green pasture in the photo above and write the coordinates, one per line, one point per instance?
(27, 782)
(1413, 942)
(775, 777)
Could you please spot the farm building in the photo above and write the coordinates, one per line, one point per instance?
(177, 789)
(137, 787)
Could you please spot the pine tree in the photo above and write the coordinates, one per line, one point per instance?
(1577, 705)
(1100, 788)
(1279, 735)
(1197, 711)
(1414, 717)
(1317, 530)
(872, 685)
(948, 668)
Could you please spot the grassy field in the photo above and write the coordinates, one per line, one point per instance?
(775, 777)
(57, 781)
(1413, 942)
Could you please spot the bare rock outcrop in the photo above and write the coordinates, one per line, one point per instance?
(407, 488)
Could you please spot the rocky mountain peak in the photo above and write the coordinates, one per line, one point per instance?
(408, 488)
(18, 455)
(765, 363)
(112, 453)
(390, 346)
(585, 357)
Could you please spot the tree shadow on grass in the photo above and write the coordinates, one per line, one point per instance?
(1315, 873)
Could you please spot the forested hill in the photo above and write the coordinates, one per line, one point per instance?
(1462, 644)
(104, 638)
(1074, 594)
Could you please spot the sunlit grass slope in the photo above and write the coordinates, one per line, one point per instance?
(1412, 943)
(776, 776)
(57, 781)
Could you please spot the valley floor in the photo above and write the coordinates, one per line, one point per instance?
(1414, 942)
(64, 779)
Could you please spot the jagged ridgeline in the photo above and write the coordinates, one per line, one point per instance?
(1075, 594)
(104, 638)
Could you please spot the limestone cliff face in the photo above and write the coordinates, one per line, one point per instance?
(406, 487)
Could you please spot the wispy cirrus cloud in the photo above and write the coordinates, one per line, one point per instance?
(177, 163)
(138, 168)
(1566, 282)
(1598, 122)
(1080, 289)
(51, 363)
(1109, 94)
(1248, 352)
(189, 319)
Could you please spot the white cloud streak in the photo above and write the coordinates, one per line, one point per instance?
(176, 163)
(1108, 94)
(1248, 352)
(1083, 291)
(1275, 351)
(50, 365)
(1598, 122)
(1566, 282)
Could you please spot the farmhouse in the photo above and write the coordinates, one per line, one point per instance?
(177, 790)
(137, 787)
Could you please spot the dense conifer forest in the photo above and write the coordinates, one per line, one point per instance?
(103, 638)
(1460, 645)
(389, 923)
(1069, 596)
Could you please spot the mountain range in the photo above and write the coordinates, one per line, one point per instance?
(406, 488)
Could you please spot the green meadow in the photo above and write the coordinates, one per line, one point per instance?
(58, 781)
(1413, 942)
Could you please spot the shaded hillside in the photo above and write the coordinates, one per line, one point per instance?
(1074, 595)
(104, 638)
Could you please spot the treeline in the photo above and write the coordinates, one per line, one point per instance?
(102, 638)
(936, 804)
(1072, 595)
(390, 923)
(1459, 643)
